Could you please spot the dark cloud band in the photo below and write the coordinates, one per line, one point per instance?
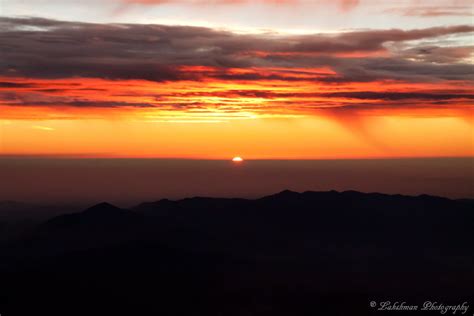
(43, 48)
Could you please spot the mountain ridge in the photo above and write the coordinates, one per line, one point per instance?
(284, 254)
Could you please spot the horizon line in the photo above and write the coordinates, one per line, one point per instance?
(103, 157)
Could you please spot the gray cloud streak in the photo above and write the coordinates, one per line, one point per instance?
(42, 48)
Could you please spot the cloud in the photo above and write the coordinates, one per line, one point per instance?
(43, 128)
(57, 65)
(42, 48)
(42, 100)
(344, 4)
(349, 4)
(439, 55)
(15, 85)
(395, 96)
(433, 11)
(211, 2)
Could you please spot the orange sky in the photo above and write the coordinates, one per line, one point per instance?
(129, 91)
(224, 123)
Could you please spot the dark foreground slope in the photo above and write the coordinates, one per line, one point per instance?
(312, 253)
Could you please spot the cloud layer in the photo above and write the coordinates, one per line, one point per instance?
(344, 4)
(387, 68)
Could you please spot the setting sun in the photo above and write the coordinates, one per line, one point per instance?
(237, 159)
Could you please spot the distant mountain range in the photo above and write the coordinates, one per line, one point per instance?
(311, 253)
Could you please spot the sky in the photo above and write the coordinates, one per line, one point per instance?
(127, 182)
(263, 79)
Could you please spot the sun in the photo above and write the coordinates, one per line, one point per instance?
(237, 159)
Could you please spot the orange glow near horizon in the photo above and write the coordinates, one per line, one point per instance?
(212, 119)
(296, 138)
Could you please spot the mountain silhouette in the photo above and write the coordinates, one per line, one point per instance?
(103, 213)
(290, 253)
(97, 226)
(104, 209)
